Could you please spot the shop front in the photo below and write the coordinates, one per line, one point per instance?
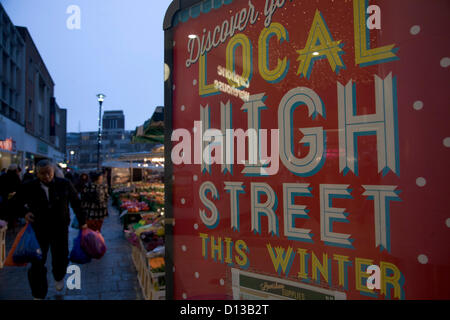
(8, 153)
(23, 149)
(11, 143)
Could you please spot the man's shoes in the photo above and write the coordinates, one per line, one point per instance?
(37, 299)
(59, 285)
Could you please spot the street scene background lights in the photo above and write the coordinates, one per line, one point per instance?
(100, 98)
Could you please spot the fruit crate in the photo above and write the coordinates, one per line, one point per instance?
(158, 281)
(130, 218)
(158, 295)
(143, 272)
(2, 246)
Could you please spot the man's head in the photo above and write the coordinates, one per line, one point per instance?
(13, 168)
(45, 171)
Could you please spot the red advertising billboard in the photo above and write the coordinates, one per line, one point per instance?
(309, 149)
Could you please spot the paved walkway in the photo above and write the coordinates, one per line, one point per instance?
(113, 277)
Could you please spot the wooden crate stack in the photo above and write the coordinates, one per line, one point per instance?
(148, 280)
(2, 246)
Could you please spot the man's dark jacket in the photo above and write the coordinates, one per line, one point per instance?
(53, 213)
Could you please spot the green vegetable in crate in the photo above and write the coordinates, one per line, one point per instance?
(160, 269)
(160, 231)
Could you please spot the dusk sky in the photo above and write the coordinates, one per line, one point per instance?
(118, 51)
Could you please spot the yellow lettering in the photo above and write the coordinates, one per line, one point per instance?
(320, 44)
(394, 280)
(204, 89)
(204, 237)
(323, 268)
(239, 40)
(303, 253)
(242, 260)
(281, 261)
(341, 265)
(228, 243)
(365, 56)
(277, 74)
(360, 274)
(216, 247)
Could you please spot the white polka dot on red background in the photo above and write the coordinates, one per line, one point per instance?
(445, 62)
(418, 105)
(421, 181)
(423, 259)
(197, 275)
(195, 226)
(183, 201)
(183, 247)
(446, 142)
(184, 295)
(447, 222)
(414, 30)
(222, 282)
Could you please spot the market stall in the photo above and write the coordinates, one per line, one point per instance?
(142, 215)
(137, 191)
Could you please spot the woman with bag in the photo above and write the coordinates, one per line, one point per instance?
(94, 200)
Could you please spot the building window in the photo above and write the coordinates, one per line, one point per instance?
(57, 118)
(41, 124)
(30, 70)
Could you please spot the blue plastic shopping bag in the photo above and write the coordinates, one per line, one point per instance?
(28, 249)
(75, 223)
(77, 254)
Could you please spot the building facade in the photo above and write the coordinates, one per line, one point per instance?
(81, 150)
(32, 125)
(44, 119)
(12, 91)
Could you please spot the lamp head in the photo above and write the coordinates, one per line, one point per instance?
(101, 97)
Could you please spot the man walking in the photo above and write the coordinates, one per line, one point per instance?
(45, 204)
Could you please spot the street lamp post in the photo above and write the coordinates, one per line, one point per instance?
(72, 157)
(100, 98)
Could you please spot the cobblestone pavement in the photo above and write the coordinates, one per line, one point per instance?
(113, 277)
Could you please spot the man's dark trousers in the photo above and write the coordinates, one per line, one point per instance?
(51, 224)
(56, 239)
